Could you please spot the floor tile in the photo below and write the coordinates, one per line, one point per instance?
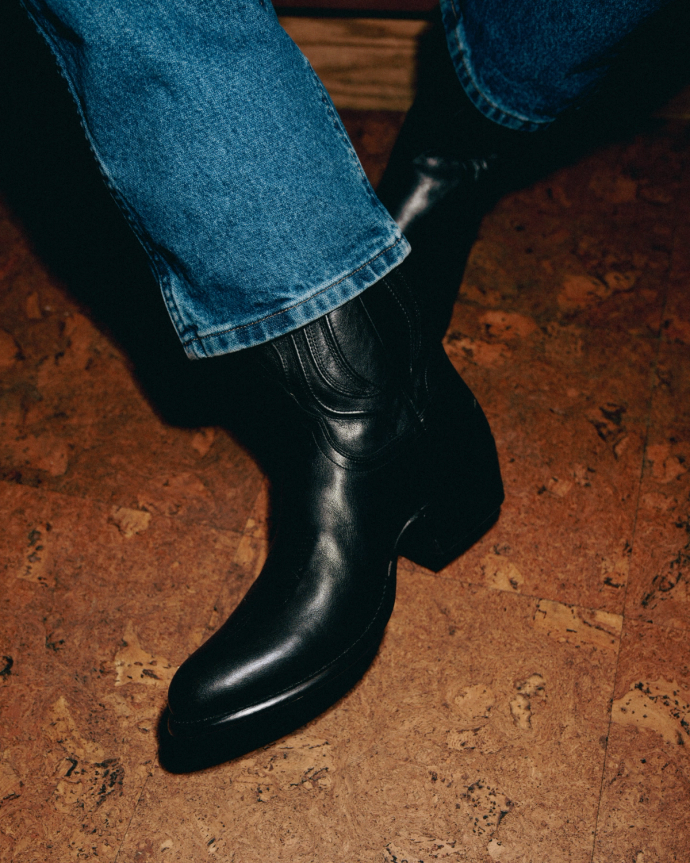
(591, 244)
(81, 572)
(658, 592)
(100, 605)
(643, 812)
(74, 418)
(459, 743)
(71, 779)
(569, 414)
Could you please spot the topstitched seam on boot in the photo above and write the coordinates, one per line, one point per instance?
(310, 676)
(342, 364)
(418, 314)
(342, 358)
(415, 337)
(338, 359)
(409, 324)
(325, 407)
(306, 383)
(415, 334)
(369, 462)
(281, 362)
(427, 367)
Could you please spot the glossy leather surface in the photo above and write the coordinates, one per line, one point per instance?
(381, 427)
(438, 201)
(449, 165)
(432, 178)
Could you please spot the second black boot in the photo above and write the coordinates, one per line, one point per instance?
(389, 454)
(449, 166)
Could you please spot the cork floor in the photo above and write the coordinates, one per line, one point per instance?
(529, 704)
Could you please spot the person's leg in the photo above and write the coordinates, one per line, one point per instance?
(524, 63)
(494, 78)
(227, 156)
(234, 170)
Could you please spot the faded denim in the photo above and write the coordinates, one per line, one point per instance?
(229, 160)
(524, 62)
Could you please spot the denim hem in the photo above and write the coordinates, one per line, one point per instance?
(325, 299)
(461, 56)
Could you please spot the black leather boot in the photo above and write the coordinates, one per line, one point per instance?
(393, 455)
(449, 166)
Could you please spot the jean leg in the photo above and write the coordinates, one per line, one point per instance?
(523, 63)
(228, 158)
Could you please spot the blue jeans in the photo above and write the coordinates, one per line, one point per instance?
(522, 63)
(232, 166)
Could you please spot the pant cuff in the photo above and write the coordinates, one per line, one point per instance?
(325, 299)
(461, 55)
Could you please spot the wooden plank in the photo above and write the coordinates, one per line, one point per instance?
(364, 63)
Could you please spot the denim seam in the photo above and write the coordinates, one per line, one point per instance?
(340, 129)
(295, 305)
(492, 110)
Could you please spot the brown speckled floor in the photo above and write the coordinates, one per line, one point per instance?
(530, 704)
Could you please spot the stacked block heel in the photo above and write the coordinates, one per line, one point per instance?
(462, 477)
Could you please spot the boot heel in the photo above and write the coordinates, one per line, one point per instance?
(440, 533)
(461, 477)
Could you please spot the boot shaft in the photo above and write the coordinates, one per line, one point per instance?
(360, 374)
